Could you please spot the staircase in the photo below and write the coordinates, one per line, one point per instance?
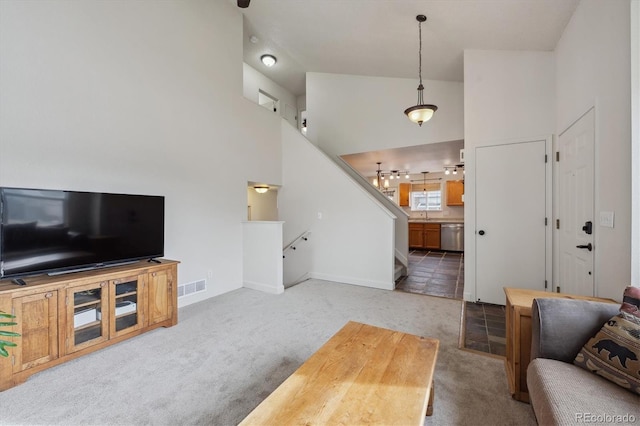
(338, 232)
(399, 271)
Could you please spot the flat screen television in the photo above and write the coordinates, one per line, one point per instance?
(52, 231)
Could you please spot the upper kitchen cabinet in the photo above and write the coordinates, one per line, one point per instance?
(455, 191)
(403, 194)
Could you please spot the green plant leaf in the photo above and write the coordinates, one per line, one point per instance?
(4, 323)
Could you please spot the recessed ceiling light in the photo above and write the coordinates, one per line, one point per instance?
(268, 60)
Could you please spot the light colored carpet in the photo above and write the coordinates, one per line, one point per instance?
(229, 352)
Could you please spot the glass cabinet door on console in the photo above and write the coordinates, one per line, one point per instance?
(126, 305)
(87, 323)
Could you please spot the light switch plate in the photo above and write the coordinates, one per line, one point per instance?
(606, 219)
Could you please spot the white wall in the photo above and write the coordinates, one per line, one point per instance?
(262, 256)
(352, 234)
(349, 114)
(254, 81)
(593, 70)
(139, 97)
(401, 226)
(508, 96)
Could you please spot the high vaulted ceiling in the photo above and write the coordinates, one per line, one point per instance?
(380, 38)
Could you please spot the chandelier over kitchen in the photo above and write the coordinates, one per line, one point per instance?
(420, 112)
(384, 176)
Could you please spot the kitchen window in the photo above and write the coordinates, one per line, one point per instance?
(426, 200)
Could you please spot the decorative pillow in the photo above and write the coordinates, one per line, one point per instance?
(614, 352)
(630, 308)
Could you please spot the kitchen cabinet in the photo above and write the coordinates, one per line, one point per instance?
(432, 236)
(424, 235)
(416, 235)
(403, 194)
(455, 191)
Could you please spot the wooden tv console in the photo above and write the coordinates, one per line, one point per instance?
(66, 316)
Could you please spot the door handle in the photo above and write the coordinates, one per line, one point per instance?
(481, 232)
(585, 246)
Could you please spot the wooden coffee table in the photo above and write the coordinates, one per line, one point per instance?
(362, 375)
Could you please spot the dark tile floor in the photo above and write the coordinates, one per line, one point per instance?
(438, 273)
(485, 328)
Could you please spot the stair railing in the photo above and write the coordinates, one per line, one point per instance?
(292, 245)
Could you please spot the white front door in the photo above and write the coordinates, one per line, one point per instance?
(511, 208)
(575, 226)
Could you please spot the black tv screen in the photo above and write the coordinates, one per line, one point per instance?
(49, 231)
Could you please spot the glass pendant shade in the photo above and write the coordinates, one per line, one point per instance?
(420, 113)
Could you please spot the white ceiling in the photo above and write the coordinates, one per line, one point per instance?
(380, 37)
(415, 159)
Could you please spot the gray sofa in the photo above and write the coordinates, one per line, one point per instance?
(560, 392)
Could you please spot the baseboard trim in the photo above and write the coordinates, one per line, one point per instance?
(266, 288)
(298, 280)
(383, 285)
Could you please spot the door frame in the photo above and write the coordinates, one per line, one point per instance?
(470, 214)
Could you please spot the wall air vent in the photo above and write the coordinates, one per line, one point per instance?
(191, 288)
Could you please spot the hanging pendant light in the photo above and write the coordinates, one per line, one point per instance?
(424, 183)
(376, 180)
(421, 112)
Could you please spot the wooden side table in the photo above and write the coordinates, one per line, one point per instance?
(518, 329)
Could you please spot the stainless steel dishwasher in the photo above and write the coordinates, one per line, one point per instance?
(452, 236)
